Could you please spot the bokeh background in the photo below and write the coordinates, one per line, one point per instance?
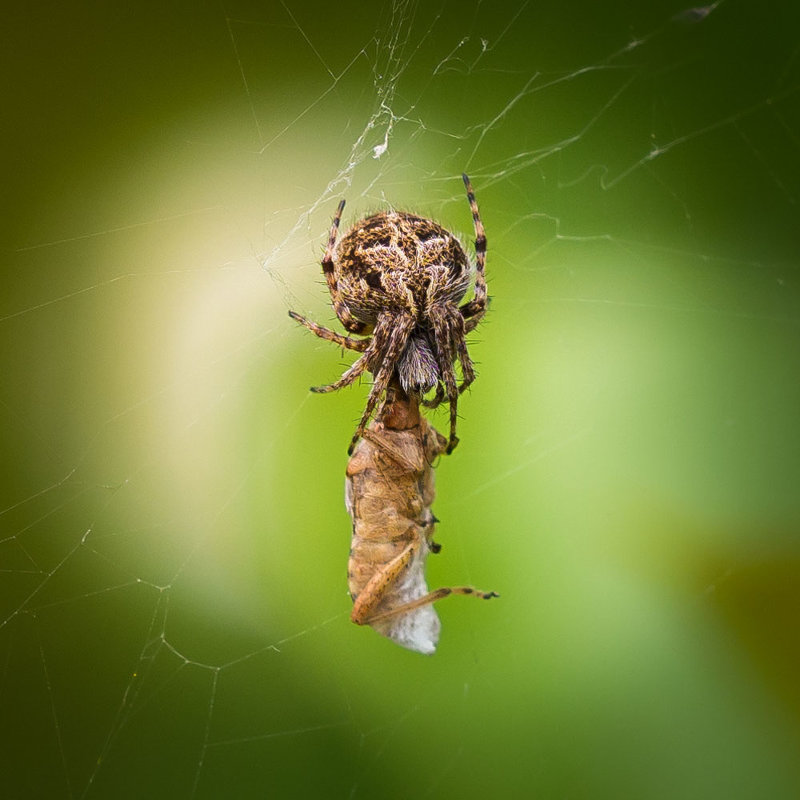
(173, 541)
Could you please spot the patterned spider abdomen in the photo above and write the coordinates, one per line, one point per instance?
(399, 261)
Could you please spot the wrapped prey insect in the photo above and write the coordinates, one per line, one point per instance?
(389, 492)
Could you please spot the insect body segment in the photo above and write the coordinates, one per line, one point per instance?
(389, 492)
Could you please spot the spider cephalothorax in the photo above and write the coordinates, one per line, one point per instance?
(400, 278)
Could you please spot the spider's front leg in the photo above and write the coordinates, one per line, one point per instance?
(328, 270)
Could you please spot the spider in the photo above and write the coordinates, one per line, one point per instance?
(397, 279)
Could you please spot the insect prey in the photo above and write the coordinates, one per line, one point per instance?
(389, 492)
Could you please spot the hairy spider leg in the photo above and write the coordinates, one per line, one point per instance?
(359, 368)
(457, 331)
(326, 333)
(443, 335)
(441, 396)
(387, 357)
(471, 312)
(376, 344)
(474, 310)
(467, 368)
(437, 399)
(339, 306)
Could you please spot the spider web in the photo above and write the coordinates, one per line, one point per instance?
(174, 617)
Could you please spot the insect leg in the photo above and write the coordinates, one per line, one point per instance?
(370, 597)
(373, 593)
(431, 597)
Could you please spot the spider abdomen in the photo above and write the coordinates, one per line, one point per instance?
(400, 261)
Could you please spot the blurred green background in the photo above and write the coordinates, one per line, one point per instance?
(173, 541)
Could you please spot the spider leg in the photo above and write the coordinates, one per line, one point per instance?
(379, 385)
(445, 356)
(325, 333)
(438, 398)
(387, 353)
(358, 368)
(459, 328)
(476, 308)
(467, 369)
(376, 344)
(339, 306)
(470, 323)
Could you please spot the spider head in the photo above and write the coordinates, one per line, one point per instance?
(417, 368)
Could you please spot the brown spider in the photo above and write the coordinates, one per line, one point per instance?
(400, 277)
